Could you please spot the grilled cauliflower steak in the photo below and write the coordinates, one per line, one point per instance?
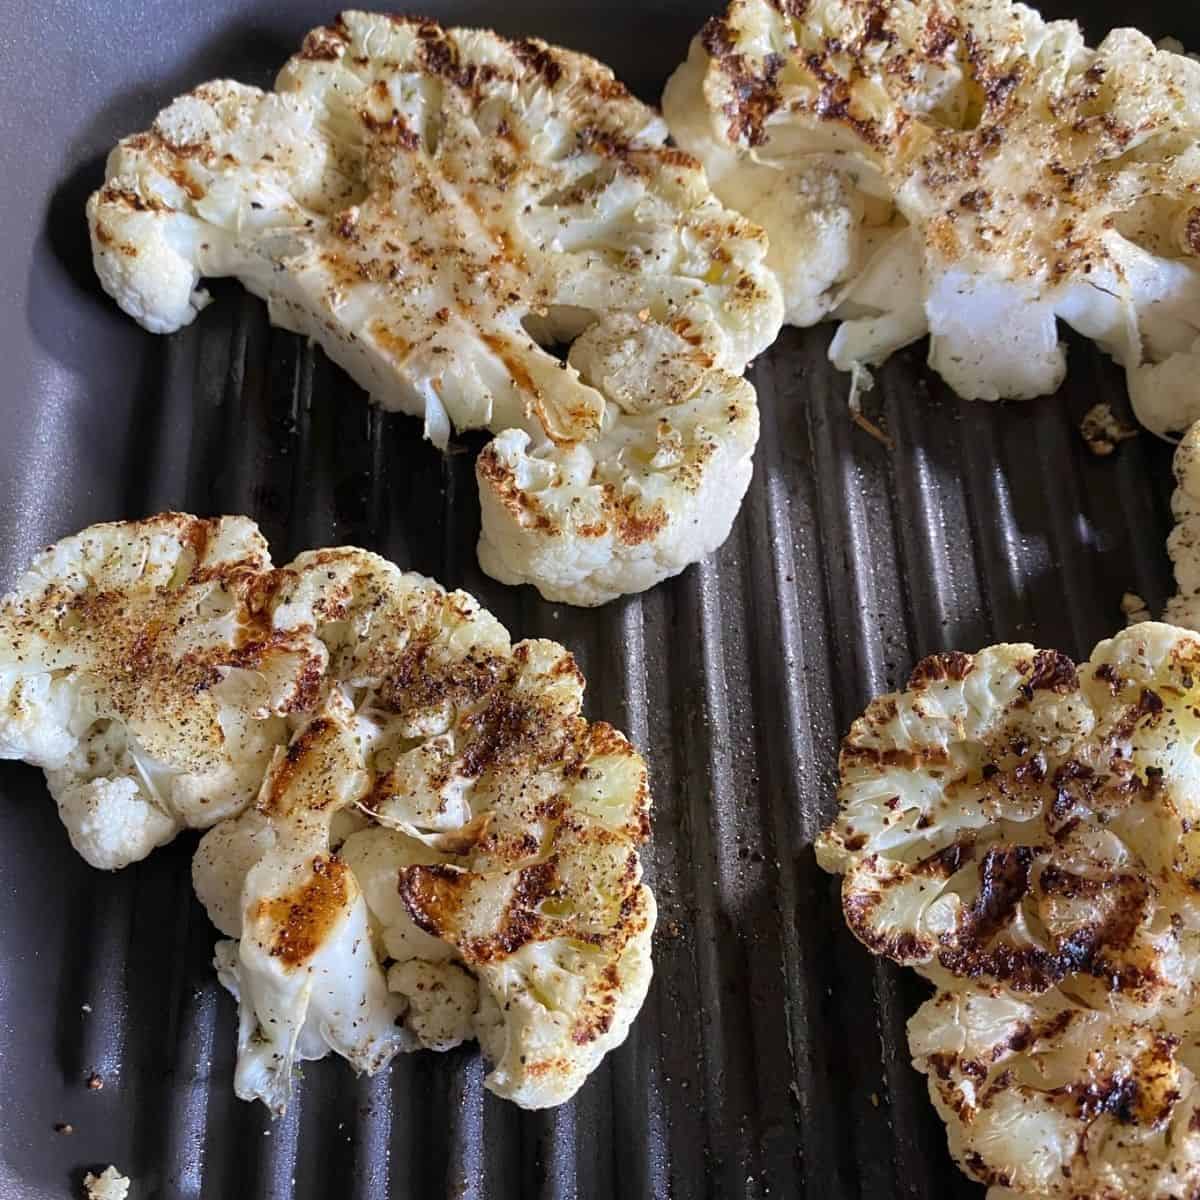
(434, 207)
(135, 672)
(1022, 832)
(963, 169)
(492, 867)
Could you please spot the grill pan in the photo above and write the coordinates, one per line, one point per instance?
(769, 1060)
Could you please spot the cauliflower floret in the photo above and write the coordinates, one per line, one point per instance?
(656, 490)
(436, 206)
(154, 670)
(304, 970)
(442, 1000)
(376, 855)
(507, 826)
(1009, 818)
(543, 903)
(1048, 1098)
(110, 820)
(997, 171)
(133, 671)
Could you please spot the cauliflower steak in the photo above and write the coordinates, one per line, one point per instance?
(447, 816)
(436, 207)
(966, 170)
(1023, 832)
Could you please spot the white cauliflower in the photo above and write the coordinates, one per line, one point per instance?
(1045, 1097)
(1183, 544)
(435, 207)
(303, 967)
(1024, 833)
(110, 1184)
(496, 857)
(507, 827)
(1011, 819)
(442, 809)
(963, 169)
(134, 671)
(643, 499)
(542, 899)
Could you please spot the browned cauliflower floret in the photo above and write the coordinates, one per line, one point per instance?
(1044, 1097)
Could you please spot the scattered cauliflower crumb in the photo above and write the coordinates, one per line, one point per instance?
(1102, 431)
(110, 1184)
(1134, 608)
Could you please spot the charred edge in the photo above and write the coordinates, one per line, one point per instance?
(634, 525)
(953, 666)
(1052, 671)
(540, 59)
(1145, 1096)
(946, 862)
(325, 44)
(287, 767)
(435, 895)
(834, 100)
(128, 198)
(439, 56)
(1191, 231)
(1107, 674)
(197, 537)
(394, 129)
(523, 506)
(902, 946)
(1004, 878)
(854, 755)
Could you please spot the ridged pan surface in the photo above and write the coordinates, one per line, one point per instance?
(769, 1060)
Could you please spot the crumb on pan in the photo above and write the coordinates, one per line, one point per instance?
(1135, 608)
(110, 1184)
(1103, 431)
